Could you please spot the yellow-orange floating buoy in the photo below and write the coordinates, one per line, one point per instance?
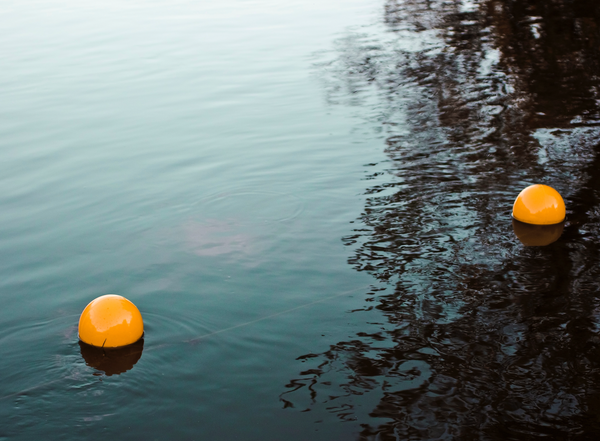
(537, 235)
(110, 321)
(539, 205)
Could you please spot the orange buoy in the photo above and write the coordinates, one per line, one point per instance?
(110, 321)
(539, 205)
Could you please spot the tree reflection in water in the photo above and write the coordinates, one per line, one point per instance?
(483, 338)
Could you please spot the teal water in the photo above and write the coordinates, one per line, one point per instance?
(310, 203)
(181, 154)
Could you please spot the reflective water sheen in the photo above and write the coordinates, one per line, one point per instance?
(310, 205)
(474, 336)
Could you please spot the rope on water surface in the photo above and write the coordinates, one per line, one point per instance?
(251, 322)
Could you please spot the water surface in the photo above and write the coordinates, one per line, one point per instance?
(181, 154)
(477, 336)
(310, 204)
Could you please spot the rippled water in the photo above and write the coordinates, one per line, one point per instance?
(180, 154)
(310, 204)
(475, 336)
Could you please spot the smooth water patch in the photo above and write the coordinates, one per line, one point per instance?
(180, 154)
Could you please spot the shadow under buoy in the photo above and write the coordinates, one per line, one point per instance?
(537, 235)
(112, 361)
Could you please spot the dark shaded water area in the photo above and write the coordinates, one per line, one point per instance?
(480, 337)
(311, 207)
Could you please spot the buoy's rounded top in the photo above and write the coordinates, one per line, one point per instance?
(110, 321)
(539, 205)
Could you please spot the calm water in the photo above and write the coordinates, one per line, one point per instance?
(310, 205)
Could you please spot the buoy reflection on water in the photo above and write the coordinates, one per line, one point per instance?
(537, 235)
(112, 361)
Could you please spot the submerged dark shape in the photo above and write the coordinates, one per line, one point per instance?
(537, 235)
(479, 337)
(112, 361)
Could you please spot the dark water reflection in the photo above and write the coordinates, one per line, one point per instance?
(537, 235)
(112, 361)
(483, 338)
